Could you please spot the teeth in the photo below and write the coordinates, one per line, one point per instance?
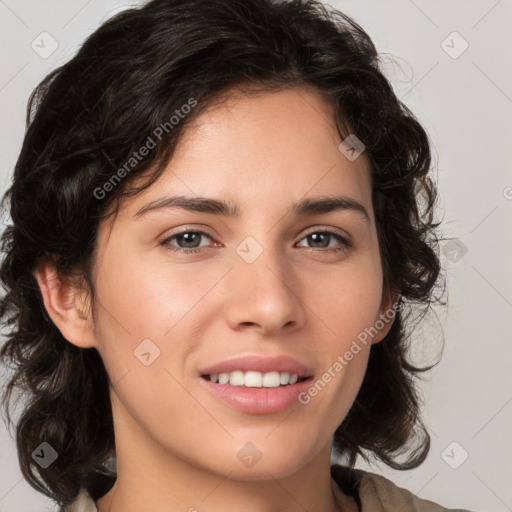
(236, 378)
(255, 380)
(252, 379)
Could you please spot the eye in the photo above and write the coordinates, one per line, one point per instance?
(321, 238)
(189, 239)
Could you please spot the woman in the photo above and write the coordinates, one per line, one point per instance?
(222, 218)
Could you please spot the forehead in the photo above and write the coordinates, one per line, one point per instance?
(263, 150)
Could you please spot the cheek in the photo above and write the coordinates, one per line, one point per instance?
(347, 306)
(149, 297)
(347, 301)
(149, 312)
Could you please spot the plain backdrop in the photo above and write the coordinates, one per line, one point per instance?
(451, 67)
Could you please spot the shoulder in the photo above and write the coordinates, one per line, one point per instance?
(83, 503)
(373, 492)
(376, 493)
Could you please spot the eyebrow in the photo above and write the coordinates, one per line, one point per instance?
(307, 206)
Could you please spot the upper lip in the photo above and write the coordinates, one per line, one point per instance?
(259, 363)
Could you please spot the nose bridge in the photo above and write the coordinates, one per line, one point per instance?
(261, 287)
(261, 266)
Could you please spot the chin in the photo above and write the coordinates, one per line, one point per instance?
(261, 466)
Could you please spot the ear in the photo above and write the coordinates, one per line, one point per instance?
(387, 312)
(68, 307)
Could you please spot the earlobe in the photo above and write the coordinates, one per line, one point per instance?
(386, 316)
(66, 306)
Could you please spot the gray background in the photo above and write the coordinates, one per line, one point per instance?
(464, 100)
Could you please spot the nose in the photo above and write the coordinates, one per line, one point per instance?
(263, 295)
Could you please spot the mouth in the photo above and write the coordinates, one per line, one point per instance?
(255, 379)
(262, 394)
(257, 370)
(257, 383)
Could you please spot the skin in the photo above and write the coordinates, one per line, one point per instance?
(176, 444)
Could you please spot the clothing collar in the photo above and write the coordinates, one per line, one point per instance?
(372, 492)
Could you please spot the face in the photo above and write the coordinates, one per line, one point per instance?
(181, 291)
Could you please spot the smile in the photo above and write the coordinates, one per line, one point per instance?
(255, 379)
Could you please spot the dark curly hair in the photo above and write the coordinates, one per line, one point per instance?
(86, 118)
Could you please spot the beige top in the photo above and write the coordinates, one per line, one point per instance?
(374, 493)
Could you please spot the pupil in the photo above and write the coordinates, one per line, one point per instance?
(314, 236)
(187, 237)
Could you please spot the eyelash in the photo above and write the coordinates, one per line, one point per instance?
(346, 244)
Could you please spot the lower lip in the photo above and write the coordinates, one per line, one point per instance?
(258, 400)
